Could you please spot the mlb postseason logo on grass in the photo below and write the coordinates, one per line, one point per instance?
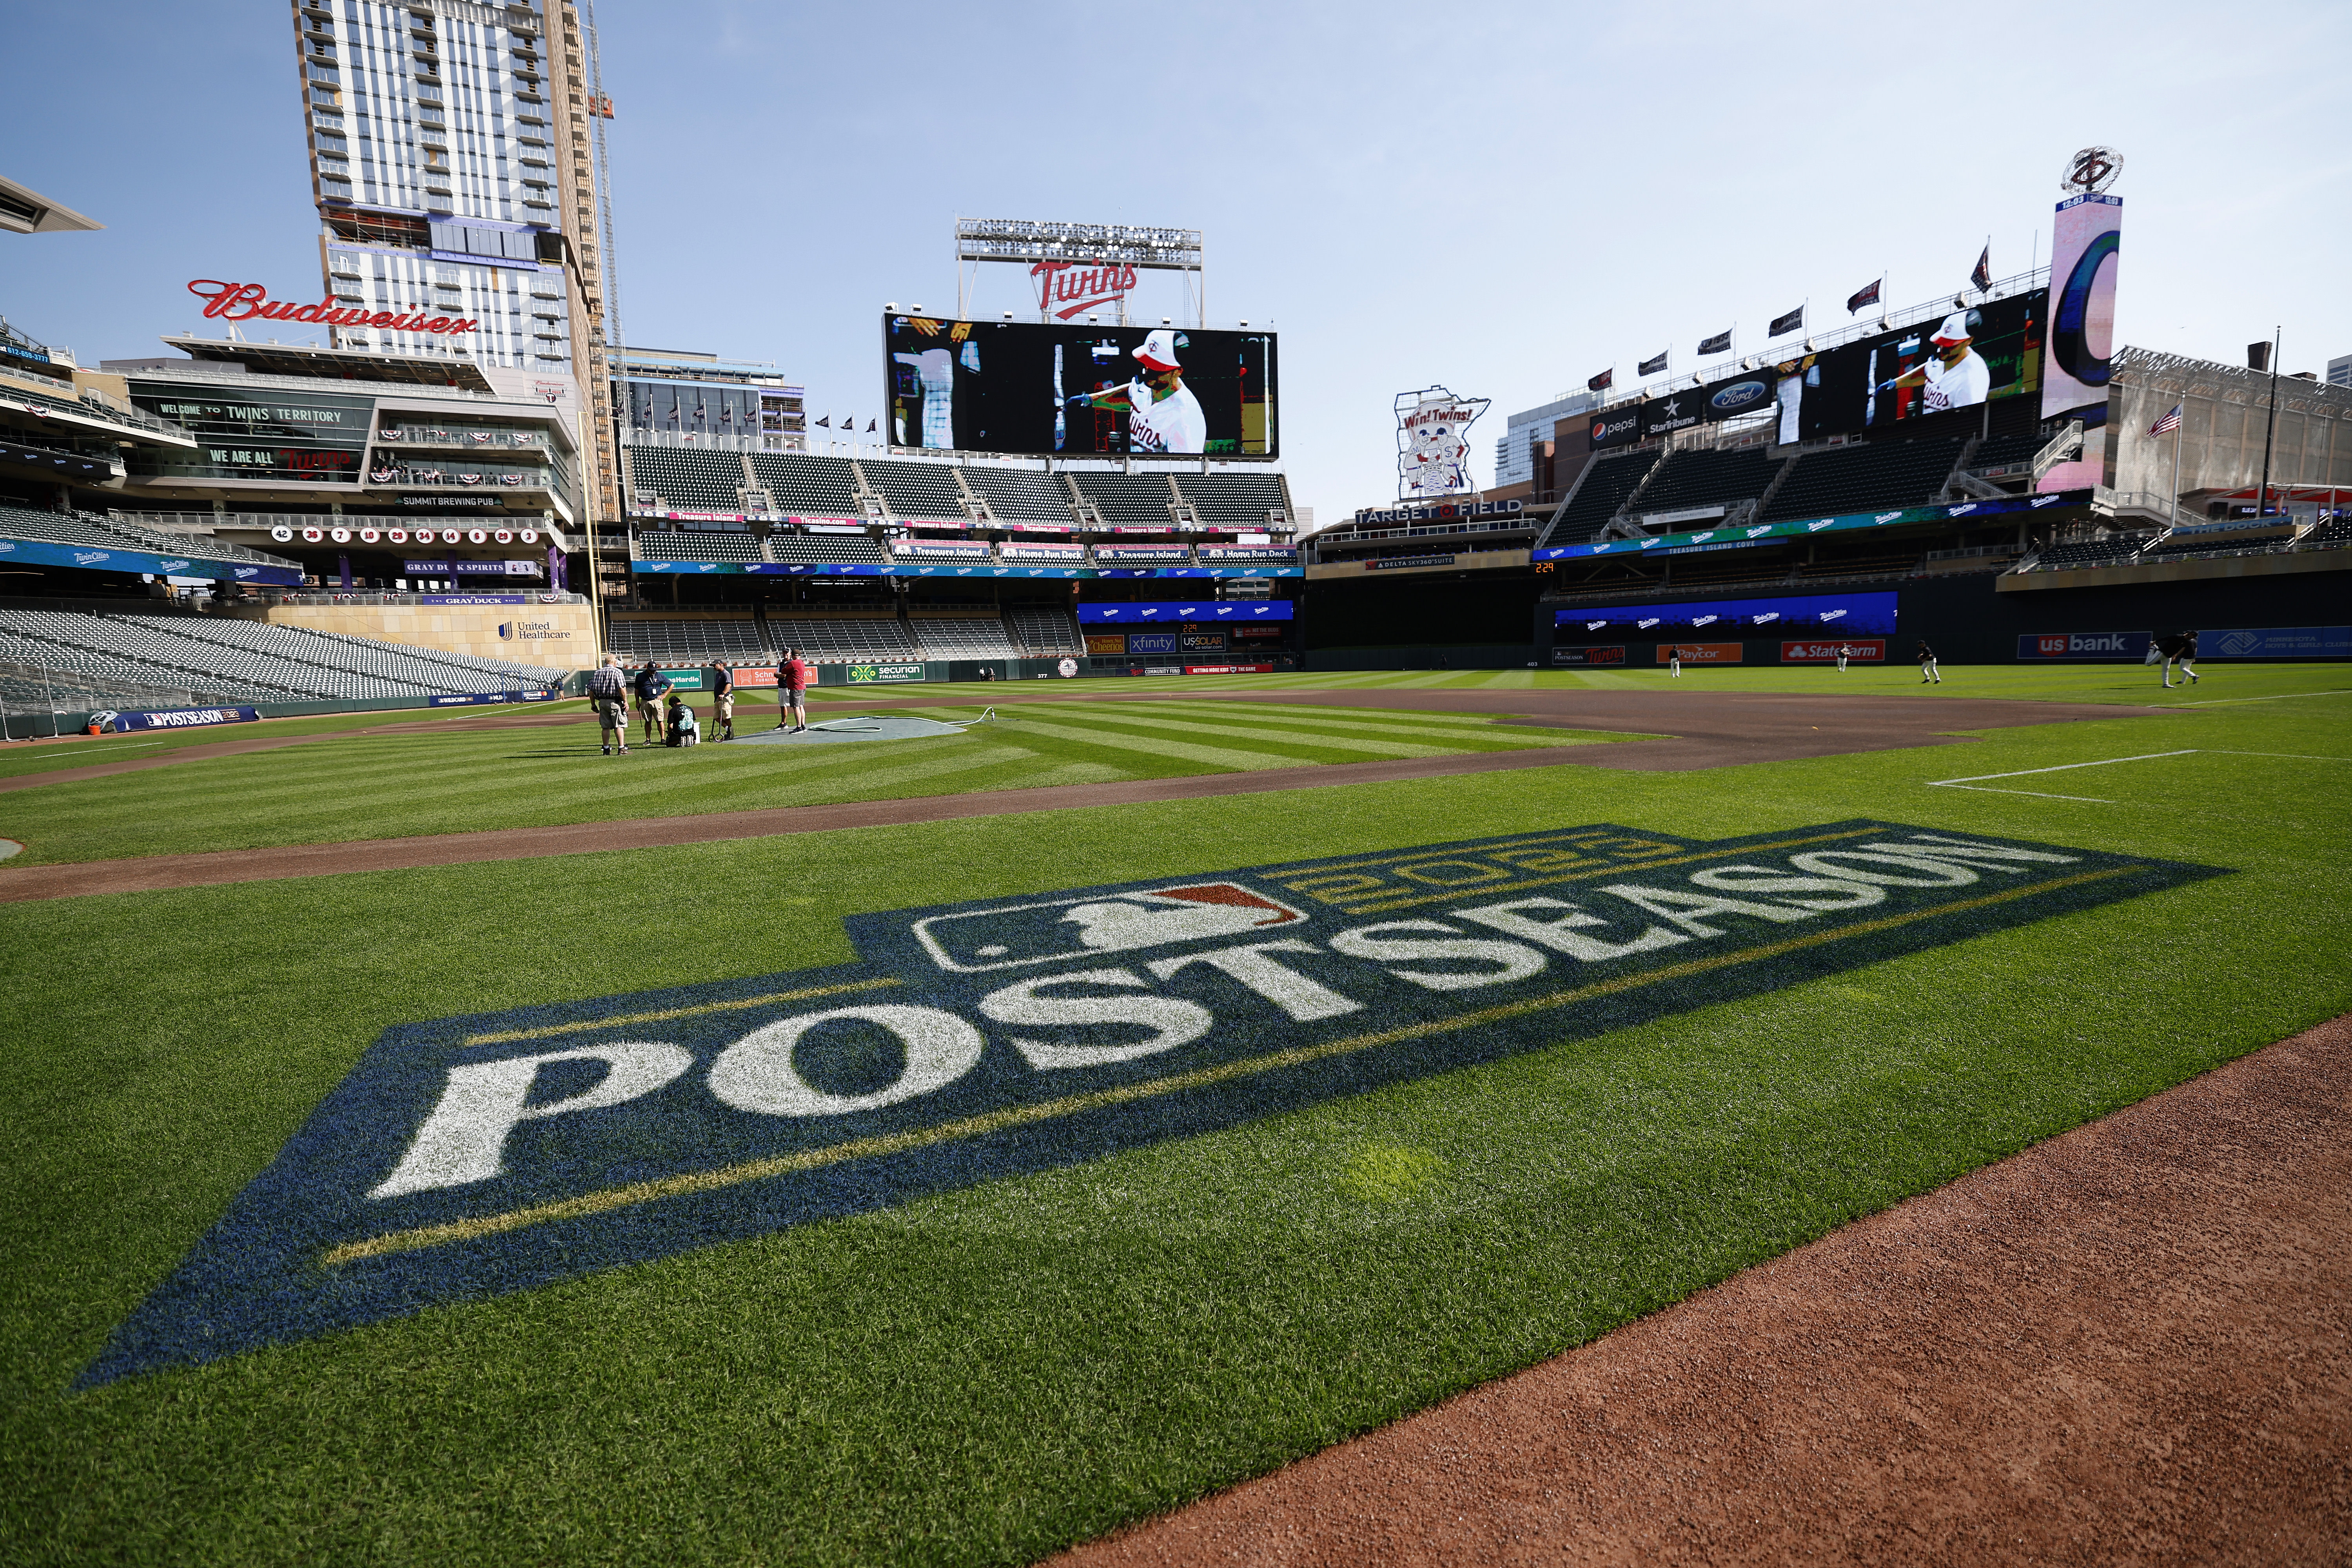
(469, 1157)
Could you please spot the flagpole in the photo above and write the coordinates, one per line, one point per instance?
(2178, 431)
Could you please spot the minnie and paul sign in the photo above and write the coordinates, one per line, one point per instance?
(469, 1157)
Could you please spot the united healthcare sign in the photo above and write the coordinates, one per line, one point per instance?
(472, 1156)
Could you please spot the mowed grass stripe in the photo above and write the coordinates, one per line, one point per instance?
(1478, 733)
(1304, 711)
(1346, 736)
(1214, 756)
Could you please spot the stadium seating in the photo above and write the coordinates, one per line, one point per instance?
(1020, 495)
(915, 490)
(690, 480)
(2335, 533)
(687, 641)
(1046, 631)
(1702, 477)
(1025, 550)
(806, 485)
(1129, 501)
(1879, 474)
(2112, 552)
(120, 533)
(681, 544)
(222, 658)
(796, 547)
(2184, 546)
(845, 638)
(1236, 501)
(1599, 491)
(1999, 451)
(969, 636)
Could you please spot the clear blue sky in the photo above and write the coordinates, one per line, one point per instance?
(1501, 197)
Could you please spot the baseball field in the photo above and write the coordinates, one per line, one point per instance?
(432, 1140)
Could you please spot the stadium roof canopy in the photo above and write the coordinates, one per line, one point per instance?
(350, 365)
(23, 210)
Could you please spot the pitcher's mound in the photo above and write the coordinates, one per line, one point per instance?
(867, 729)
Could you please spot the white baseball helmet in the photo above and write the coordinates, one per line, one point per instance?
(1957, 328)
(1159, 350)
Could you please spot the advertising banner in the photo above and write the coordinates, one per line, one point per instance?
(1865, 650)
(46, 553)
(1805, 528)
(2278, 642)
(1228, 669)
(1612, 653)
(1151, 642)
(1038, 388)
(1703, 652)
(749, 678)
(1131, 612)
(872, 674)
(1434, 442)
(1862, 614)
(184, 717)
(2082, 259)
(1619, 427)
(1107, 644)
(1256, 633)
(1406, 562)
(2131, 646)
(1204, 642)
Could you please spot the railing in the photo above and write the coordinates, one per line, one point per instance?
(2147, 503)
(1527, 524)
(35, 698)
(469, 436)
(722, 440)
(476, 476)
(488, 586)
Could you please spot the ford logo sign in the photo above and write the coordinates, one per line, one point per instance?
(1738, 395)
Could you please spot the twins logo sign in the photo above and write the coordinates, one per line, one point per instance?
(472, 1156)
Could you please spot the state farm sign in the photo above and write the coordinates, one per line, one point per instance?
(1067, 288)
(1865, 650)
(251, 301)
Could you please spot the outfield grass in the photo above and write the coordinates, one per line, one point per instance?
(368, 784)
(984, 1375)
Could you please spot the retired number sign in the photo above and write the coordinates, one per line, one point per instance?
(478, 1155)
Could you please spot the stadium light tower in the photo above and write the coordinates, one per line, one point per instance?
(1065, 245)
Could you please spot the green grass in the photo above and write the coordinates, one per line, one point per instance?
(366, 784)
(985, 1375)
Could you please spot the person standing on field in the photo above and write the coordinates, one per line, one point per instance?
(1927, 671)
(791, 691)
(1675, 663)
(722, 698)
(652, 687)
(609, 695)
(1845, 651)
(2179, 648)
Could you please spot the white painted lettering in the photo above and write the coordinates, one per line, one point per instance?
(465, 1138)
(1173, 1020)
(1684, 909)
(1512, 960)
(1305, 1000)
(1564, 934)
(1990, 856)
(1765, 879)
(1836, 863)
(756, 1073)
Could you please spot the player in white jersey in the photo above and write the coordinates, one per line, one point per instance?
(1162, 415)
(1958, 377)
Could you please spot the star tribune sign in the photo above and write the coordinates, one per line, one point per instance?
(471, 1156)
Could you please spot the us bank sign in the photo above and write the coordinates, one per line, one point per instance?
(469, 1157)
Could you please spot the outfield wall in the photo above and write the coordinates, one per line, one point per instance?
(561, 637)
(1969, 620)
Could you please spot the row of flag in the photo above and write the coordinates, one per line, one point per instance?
(1979, 278)
(848, 423)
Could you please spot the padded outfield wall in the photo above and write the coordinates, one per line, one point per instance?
(1969, 620)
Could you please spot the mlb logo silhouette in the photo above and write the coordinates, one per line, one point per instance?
(979, 939)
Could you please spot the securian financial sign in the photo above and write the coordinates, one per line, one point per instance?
(479, 1155)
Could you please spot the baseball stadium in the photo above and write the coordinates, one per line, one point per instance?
(608, 975)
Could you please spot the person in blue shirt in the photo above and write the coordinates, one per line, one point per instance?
(652, 687)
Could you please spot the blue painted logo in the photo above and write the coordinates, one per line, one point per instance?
(469, 1157)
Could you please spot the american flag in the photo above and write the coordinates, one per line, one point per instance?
(2167, 424)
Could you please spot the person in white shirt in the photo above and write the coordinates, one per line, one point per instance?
(1958, 377)
(1162, 415)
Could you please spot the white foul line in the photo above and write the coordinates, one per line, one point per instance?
(2283, 697)
(2062, 767)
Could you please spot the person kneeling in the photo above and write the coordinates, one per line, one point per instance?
(684, 730)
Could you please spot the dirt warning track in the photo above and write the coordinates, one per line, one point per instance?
(2127, 1344)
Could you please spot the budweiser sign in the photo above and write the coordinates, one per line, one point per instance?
(1067, 288)
(251, 301)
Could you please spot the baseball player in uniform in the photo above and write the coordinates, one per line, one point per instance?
(1162, 415)
(1845, 651)
(2179, 648)
(1957, 376)
(1928, 671)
